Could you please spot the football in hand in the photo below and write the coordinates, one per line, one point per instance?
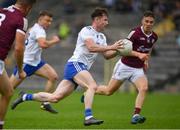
(127, 44)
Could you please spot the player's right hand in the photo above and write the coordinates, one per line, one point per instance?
(22, 74)
(56, 39)
(118, 45)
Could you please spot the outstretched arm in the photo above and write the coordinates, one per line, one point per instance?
(93, 47)
(44, 43)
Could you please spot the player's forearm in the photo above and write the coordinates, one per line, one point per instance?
(50, 43)
(99, 48)
(134, 53)
(110, 54)
(19, 55)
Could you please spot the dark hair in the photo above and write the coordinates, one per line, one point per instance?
(149, 14)
(45, 13)
(99, 12)
(26, 2)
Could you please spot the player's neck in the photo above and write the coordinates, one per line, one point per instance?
(19, 7)
(146, 31)
(96, 28)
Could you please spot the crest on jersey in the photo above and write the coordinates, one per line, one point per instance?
(142, 38)
(153, 40)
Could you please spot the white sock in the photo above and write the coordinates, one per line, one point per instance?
(45, 103)
(1, 122)
(88, 117)
(135, 115)
(24, 97)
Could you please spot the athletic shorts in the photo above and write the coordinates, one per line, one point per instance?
(29, 69)
(71, 69)
(1, 67)
(124, 72)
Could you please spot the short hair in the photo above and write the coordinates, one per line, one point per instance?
(45, 13)
(99, 12)
(149, 14)
(26, 2)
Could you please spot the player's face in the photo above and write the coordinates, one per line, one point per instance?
(45, 21)
(102, 22)
(148, 23)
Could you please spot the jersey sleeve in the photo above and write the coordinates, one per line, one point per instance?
(40, 33)
(132, 36)
(86, 33)
(22, 26)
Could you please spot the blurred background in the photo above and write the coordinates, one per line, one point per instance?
(71, 15)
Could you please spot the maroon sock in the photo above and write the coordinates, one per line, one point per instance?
(137, 110)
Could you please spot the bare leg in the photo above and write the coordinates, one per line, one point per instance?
(6, 91)
(110, 89)
(64, 89)
(142, 86)
(85, 79)
(50, 74)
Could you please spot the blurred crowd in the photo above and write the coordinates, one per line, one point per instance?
(167, 12)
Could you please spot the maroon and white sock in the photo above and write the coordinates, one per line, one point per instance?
(1, 125)
(137, 110)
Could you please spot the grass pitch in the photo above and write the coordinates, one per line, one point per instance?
(161, 110)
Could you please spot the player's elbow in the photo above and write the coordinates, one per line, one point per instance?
(43, 45)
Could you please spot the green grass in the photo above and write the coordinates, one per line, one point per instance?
(161, 110)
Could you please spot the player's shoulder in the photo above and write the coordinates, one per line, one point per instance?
(134, 32)
(136, 29)
(154, 35)
(86, 28)
(15, 11)
(15, 14)
(37, 28)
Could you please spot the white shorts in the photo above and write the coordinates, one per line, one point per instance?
(124, 72)
(1, 67)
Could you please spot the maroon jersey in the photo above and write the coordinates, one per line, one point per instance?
(11, 20)
(141, 43)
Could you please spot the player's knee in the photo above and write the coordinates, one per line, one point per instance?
(53, 77)
(54, 99)
(9, 93)
(109, 93)
(143, 89)
(93, 87)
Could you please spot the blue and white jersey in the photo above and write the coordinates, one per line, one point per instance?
(81, 52)
(32, 53)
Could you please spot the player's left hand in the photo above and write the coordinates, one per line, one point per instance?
(146, 66)
(143, 56)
